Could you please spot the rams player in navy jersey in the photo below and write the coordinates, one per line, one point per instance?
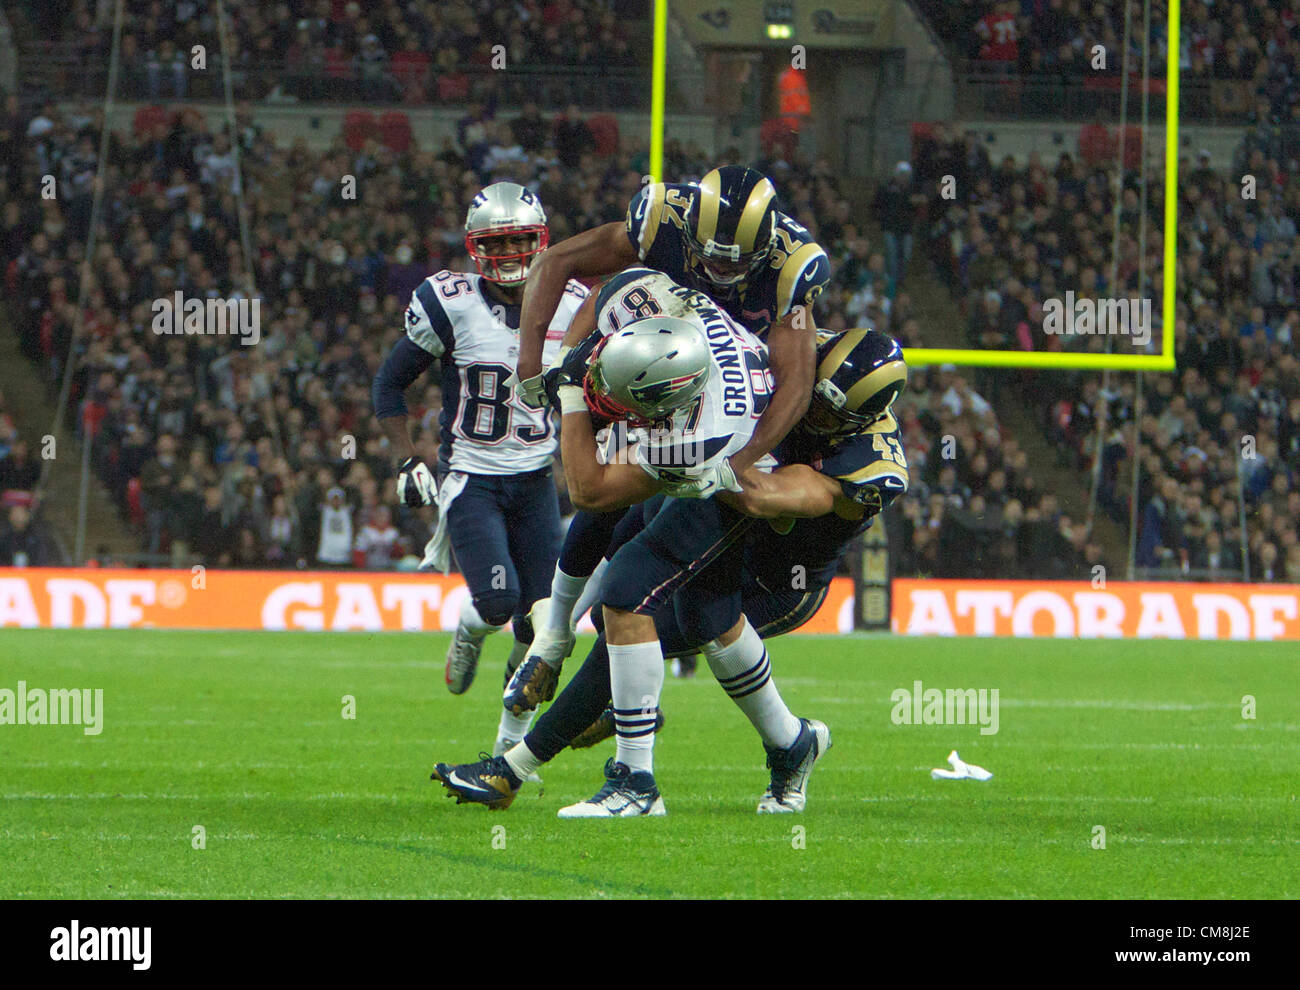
(724, 237)
(841, 465)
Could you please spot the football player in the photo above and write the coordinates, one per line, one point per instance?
(498, 508)
(842, 465)
(724, 237)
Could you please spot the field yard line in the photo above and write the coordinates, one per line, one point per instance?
(528, 872)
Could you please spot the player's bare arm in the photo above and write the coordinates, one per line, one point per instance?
(584, 322)
(792, 492)
(596, 487)
(792, 357)
(600, 251)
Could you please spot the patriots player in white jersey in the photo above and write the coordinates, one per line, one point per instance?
(498, 508)
(692, 383)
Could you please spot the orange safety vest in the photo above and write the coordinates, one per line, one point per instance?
(792, 90)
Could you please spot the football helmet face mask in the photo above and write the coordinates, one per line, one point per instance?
(730, 226)
(646, 371)
(859, 375)
(500, 215)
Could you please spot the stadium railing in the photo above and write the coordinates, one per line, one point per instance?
(996, 93)
(552, 87)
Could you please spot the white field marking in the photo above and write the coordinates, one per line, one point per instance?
(1057, 841)
(1088, 799)
(1235, 747)
(1135, 706)
(1132, 706)
(181, 767)
(219, 796)
(104, 837)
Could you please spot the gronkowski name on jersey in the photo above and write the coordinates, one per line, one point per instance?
(722, 418)
(795, 274)
(871, 469)
(485, 429)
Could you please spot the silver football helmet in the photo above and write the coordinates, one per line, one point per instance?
(505, 210)
(647, 370)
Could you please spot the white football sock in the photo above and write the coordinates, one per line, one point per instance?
(473, 623)
(636, 677)
(565, 591)
(521, 760)
(591, 594)
(745, 673)
(511, 730)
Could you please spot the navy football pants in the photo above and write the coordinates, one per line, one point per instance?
(505, 532)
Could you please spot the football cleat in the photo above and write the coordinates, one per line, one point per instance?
(499, 749)
(537, 677)
(603, 728)
(551, 646)
(489, 782)
(791, 768)
(462, 661)
(625, 795)
(534, 682)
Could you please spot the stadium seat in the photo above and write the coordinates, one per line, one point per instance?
(147, 118)
(604, 128)
(359, 126)
(395, 130)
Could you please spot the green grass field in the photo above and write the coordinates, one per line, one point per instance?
(243, 735)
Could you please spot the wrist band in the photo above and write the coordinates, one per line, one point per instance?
(571, 399)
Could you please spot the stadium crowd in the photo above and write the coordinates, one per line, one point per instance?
(1239, 41)
(1022, 235)
(412, 52)
(227, 453)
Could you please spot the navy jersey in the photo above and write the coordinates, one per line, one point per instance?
(871, 469)
(795, 273)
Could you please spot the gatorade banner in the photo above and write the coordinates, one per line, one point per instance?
(91, 598)
(1118, 610)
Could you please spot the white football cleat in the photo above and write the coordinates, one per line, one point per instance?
(462, 660)
(787, 793)
(625, 795)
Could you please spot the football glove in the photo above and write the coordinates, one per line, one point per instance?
(530, 391)
(570, 366)
(703, 484)
(415, 483)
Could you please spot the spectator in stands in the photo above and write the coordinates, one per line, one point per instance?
(21, 545)
(895, 207)
(18, 472)
(572, 137)
(335, 546)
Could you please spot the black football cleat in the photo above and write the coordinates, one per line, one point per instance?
(489, 782)
(603, 728)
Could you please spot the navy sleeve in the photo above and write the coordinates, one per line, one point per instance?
(406, 362)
